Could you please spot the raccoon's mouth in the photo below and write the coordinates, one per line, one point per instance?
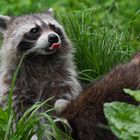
(55, 46)
(52, 48)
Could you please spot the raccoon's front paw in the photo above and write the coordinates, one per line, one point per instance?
(34, 137)
(60, 105)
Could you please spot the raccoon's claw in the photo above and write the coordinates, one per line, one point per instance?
(60, 105)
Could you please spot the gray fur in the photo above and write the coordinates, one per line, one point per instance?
(41, 75)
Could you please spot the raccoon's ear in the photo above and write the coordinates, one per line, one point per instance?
(4, 20)
(50, 11)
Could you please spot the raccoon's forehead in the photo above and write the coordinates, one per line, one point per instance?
(31, 21)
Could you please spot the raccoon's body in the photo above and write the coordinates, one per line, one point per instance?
(85, 114)
(47, 68)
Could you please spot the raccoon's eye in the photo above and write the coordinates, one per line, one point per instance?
(55, 29)
(33, 34)
(52, 26)
(35, 30)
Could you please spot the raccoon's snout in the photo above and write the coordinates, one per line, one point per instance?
(53, 38)
(54, 41)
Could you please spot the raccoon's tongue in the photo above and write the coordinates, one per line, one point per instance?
(55, 46)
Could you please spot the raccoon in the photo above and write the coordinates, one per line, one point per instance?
(47, 68)
(85, 114)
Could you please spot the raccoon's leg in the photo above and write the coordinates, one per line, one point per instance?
(64, 100)
(73, 90)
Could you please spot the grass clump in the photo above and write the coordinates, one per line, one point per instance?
(29, 124)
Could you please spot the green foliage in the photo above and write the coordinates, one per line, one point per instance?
(124, 120)
(99, 44)
(3, 122)
(29, 124)
(133, 93)
(103, 33)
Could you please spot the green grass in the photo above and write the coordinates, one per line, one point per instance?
(99, 46)
(104, 33)
(29, 124)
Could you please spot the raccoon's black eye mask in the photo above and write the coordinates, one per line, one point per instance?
(25, 45)
(35, 30)
(29, 39)
(33, 34)
(55, 29)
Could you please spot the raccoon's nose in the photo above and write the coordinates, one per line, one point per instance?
(53, 38)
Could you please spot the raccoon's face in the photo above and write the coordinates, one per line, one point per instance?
(35, 33)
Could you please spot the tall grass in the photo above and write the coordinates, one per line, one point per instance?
(29, 124)
(99, 45)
